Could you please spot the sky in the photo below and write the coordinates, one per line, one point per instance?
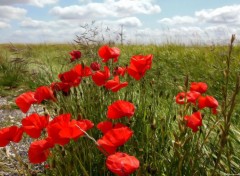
(140, 21)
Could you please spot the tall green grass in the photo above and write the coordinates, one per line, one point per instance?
(161, 142)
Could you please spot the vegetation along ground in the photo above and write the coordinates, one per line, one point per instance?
(167, 132)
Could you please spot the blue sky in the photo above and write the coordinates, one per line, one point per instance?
(143, 21)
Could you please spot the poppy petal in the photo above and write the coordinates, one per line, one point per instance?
(34, 124)
(39, 151)
(194, 121)
(200, 87)
(44, 93)
(106, 53)
(120, 109)
(25, 100)
(122, 164)
(8, 134)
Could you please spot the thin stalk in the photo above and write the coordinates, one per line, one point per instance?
(82, 167)
(226, 112)
(20, 160)
(90, 137)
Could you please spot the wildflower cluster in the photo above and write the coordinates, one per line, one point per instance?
(62, 128)
(199, 101)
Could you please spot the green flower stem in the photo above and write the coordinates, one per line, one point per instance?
(20, 160)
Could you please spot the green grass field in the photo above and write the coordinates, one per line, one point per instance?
(161, 141)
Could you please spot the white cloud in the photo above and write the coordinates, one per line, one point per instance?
(172, 35)
(42, 35)
(30, 23)
(223, 15)
(85, 1)
(128, 22)
(47, 31)
(178, 20)
(4, 25)
(219, 34)
(39, 3)
(109, 8)
(205, 27)
(68, 29)
(82, 12)
(63, 31)
(8, 13)
(135, 7)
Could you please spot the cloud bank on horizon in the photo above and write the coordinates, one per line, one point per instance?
(142, 21)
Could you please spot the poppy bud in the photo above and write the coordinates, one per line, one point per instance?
(75, 54)
(95, 66)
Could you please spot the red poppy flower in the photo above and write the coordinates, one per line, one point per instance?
(122, 164)
(118, 136)
(71, 77)
(180, 98)
(61, 129)
(207, 101)
(74, 129)
(100, 77)
(106, 53)
(194, 121)
(61, 86)
(34, 124)
(105, 126)
(89, 123)
(75, 54)
(44, 93)
(200, 87)
(8, 134)
(86, 71)
(106, 147)
(82, 71)
(25, 100)
(114, 138)
(95, 66)
(115, 85)
(139, 64)
(55, 126)
(120, 71)
(191, 97)
(120, 109)
(39, 151)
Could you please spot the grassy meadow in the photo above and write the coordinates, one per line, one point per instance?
(161, 141)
